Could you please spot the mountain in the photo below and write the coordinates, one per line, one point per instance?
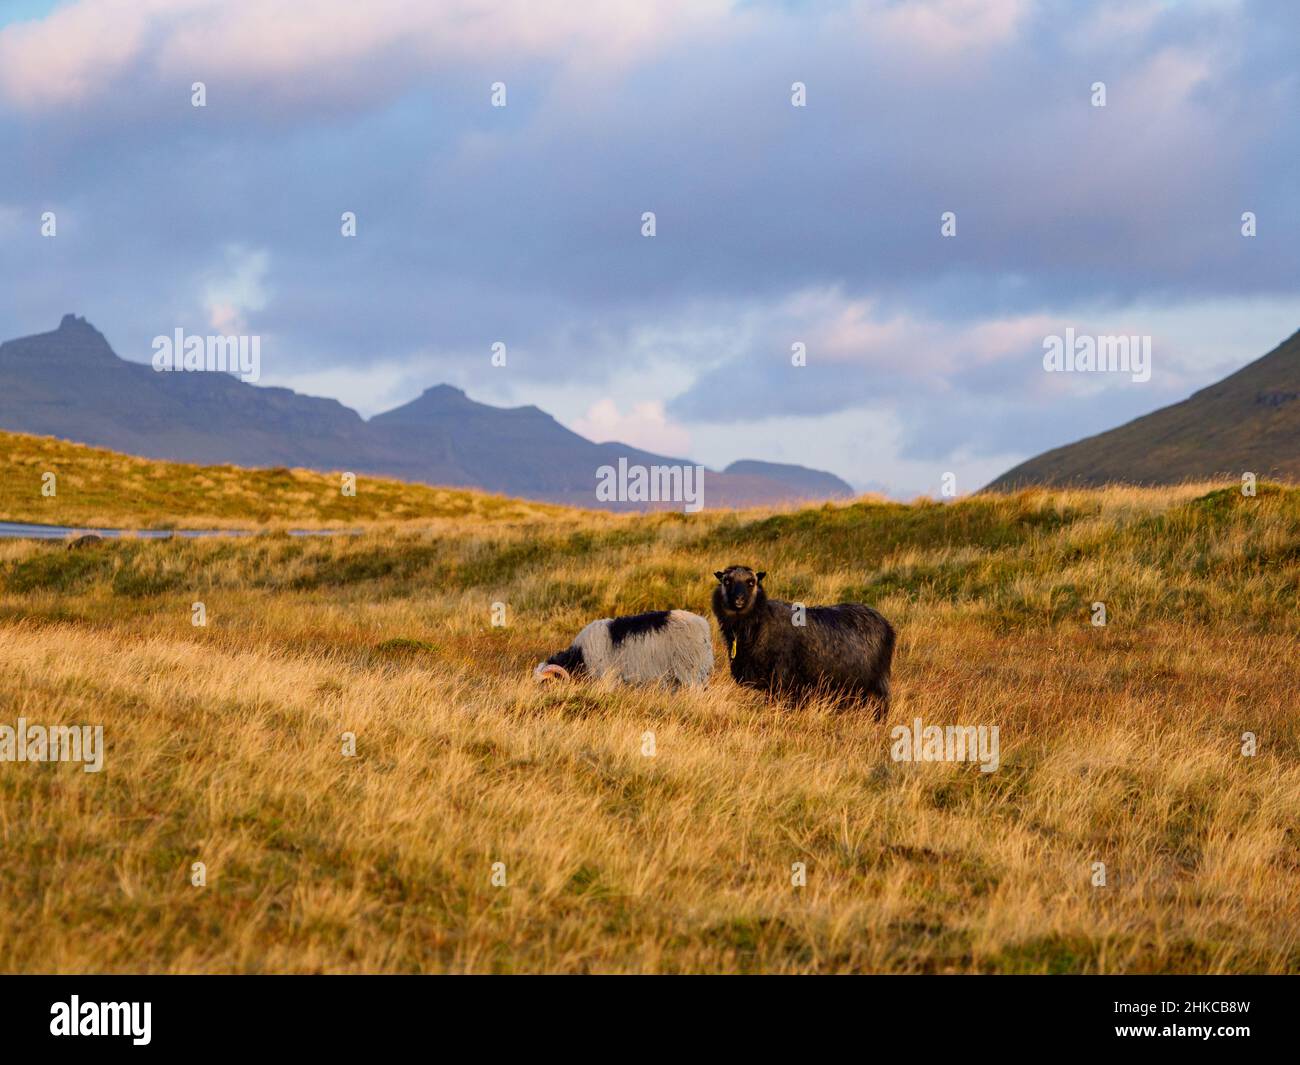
(70, 384)
(815, 484)
(1248, 422)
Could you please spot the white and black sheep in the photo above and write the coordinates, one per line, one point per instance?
(842, 651)
(665, 646)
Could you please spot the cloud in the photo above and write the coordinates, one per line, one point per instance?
(85, 49)
(75, 52)
(775, 224)
(237, 288)
(645, 426)
(946, 28)
(975, 388)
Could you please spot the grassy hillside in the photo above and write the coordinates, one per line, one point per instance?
(1247, 423)
(99, 488)
(1120, 744)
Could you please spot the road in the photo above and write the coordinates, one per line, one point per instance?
(15, 530)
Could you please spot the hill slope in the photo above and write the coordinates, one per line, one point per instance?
(70, 384)
(99, 488)
(1248, 422)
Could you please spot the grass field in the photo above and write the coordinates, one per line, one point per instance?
(1120, 744)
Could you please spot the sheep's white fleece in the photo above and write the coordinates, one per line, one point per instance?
(682, 651)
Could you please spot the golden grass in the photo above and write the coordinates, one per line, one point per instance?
(1120, 745)
(104, 489)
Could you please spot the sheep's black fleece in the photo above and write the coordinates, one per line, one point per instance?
(843, 651)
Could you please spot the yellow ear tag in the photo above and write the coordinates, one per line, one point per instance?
(731, 648)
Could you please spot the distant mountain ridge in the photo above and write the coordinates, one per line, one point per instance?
(1247, 423)
(70, 384)
(796, 476)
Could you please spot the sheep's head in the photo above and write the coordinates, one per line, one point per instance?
(562, 665)
(739, 588)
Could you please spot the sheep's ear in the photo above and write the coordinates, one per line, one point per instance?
(760, 575)
(719, 573)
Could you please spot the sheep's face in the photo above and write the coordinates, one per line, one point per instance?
(563, 665)
(739, 588)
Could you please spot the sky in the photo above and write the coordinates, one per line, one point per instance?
(775, 225)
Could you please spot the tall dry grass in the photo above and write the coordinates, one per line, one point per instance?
(1120, 745)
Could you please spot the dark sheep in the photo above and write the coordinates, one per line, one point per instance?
(843, 651)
